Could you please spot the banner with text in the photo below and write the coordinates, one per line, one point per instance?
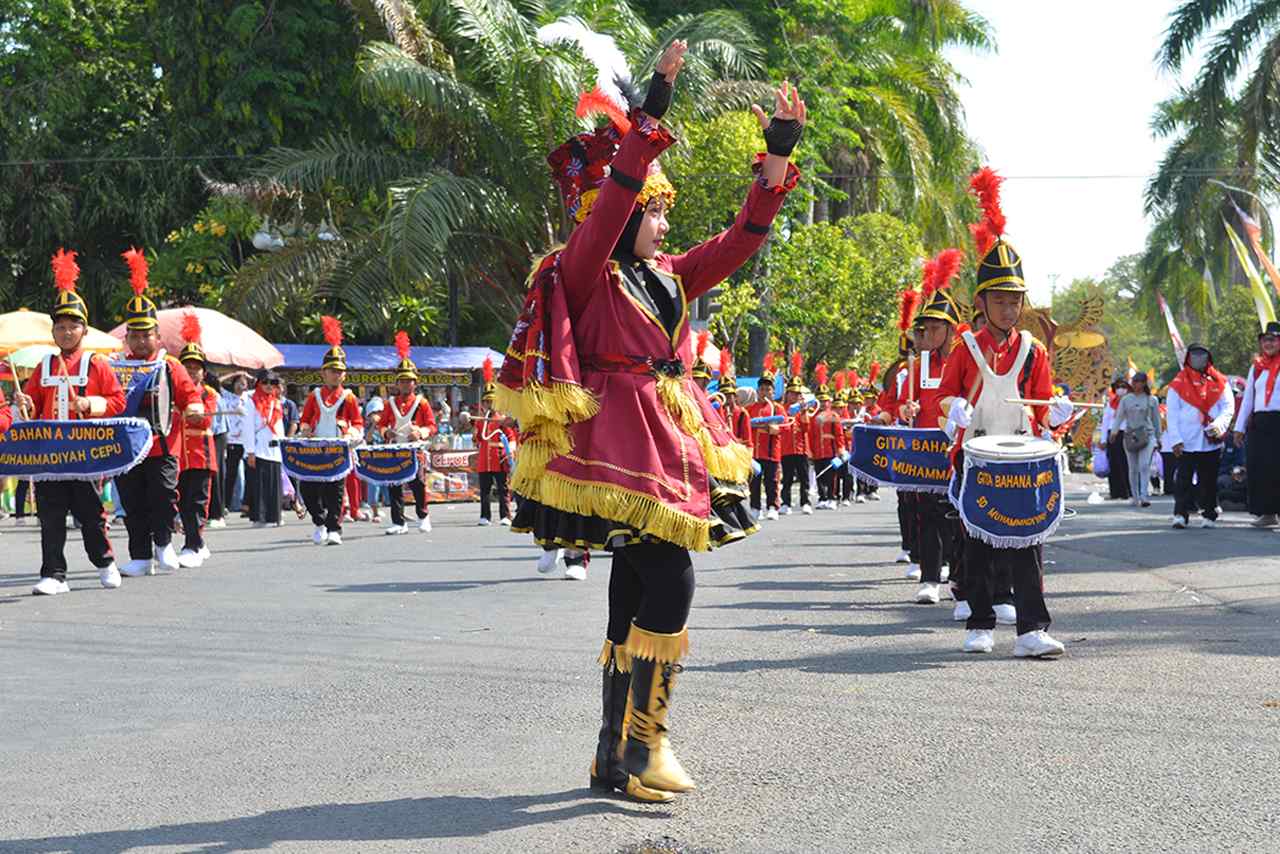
(324, 460)
(906, 458)
(388, 465)
(74, 450)
(1011, 504)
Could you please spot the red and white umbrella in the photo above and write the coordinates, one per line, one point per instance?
(225, 341)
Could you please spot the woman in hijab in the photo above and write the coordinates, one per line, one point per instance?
(1258, 429)
(1200, 410)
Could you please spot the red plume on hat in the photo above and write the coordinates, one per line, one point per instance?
(332, 328)
(875, 373)
(797, 363)
(726, 363)
(854, 379)
(595, 103)
(840, 380)
(821, 373)
(700, 344)
(486, 370)
(190, 327)
(910, 301)
(769, 361)
(946, 266)
(985, 184)
(137, 269)
(65, 270)
(402, 344)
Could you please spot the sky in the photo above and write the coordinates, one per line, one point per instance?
(1069, 93)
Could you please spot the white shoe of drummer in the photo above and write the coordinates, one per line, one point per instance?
(979, 640)
(1179, 522)
(547, 563)
(424, 525)
(807, 510)
(785, 511)
(505, 521)
(217, 523)
(904, 557)
(137, 568)
(575, 572)
(874, 496)
(167, 557)
(189, 559)
(320, 536)
(945, 572)
(861, 499)
(927, 594)
(1037, 644)
(483, 523)
(1006, 615)
(50, 587)
(1206, 522)
(394, 530)
(772, 515)
(205, 554)
(961, 612)
(335, 538)
(109, 576)
(913, 572)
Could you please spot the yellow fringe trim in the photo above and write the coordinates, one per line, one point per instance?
(621, 658)
(655, 646)
(646, 514)
(544, 413)
(731, 462)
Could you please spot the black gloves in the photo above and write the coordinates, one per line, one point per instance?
(782, 136)
(658, 99)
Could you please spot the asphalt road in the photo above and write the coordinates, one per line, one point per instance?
(431, 693)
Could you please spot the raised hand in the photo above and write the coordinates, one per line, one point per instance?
(788, 106)
(672, 60)
(658, 99)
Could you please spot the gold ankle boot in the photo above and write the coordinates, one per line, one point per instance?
(646, 752)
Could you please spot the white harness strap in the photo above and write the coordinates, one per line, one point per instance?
(63, 383)
(404, 420)
(992, 416)
(926, 381)
(327, 423)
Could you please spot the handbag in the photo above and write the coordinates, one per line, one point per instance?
(1137, 438)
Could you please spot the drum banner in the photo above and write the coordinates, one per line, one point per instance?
(1011, 504)
(74, 450)
(323, 461)
(389, 465)
(906, 458)
(135, 378)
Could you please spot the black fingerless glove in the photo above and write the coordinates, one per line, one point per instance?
(658, 99)
(782, 136)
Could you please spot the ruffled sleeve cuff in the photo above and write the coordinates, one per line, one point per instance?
(789, 181)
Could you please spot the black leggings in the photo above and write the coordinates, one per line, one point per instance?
(650, 584)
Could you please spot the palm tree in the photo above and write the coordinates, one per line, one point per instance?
(457, 198)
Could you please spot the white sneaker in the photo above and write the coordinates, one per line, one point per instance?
(21, 521)
(483, 523)
(575, 572)
(424, 525)
(807, 510)
(861, 499)
(217, 523)
(913, 572)
(50, 587)
(137, 568)
(961, 612)
(785, 511)
(189, 559)
(927, 594)
(945, 573)
(1208, 523)
(505, 522)
(320, 536)
(1006, 615)
(261, 524)
(393, 530)
(1267, 520)
(109, 576)
(1037, 644)
(1133, 502)
(167, 557)
(875, 496)
(547, 562)
(772, 515)
(204, 553)
(904, 557)
(335, 539)
(979, 640)
(1179, 522)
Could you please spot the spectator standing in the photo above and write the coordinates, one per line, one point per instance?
(233, 402)
(1113, 435)
(1138, 419)
(1258, 429)
(1201, 407)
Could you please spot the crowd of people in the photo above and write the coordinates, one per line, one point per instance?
(1211, 441)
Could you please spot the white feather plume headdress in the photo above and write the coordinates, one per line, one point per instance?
(600, 50)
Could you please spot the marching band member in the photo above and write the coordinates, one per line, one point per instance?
(844, 485)
(978, 405)
(331, 412)
(894, 388)
(149, 490)
(67, 386)
(795, 439)
(766, 443)
(620, 449)
(407, 417)
(198, 465)
(864, 409)
(1200, 409)
(826, 441)
(935, 325)
(735, 417)
(1258, 429)
(264, 428)
(492, 463)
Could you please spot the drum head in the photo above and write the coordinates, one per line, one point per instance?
(1010, 448)
(163, 416)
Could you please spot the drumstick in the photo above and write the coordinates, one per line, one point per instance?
(22, 408)
(1026, 402)
(911, 384)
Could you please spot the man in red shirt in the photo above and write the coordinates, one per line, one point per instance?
(492, 462)
(149, 490)
(407, 417)
(766, 443)
(795, 443)
(68, 386)
(198, 462)
(975, 403)
(331, 412)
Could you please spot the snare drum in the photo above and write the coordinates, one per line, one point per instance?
(1011, 492)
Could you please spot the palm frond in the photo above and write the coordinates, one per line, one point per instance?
(335, 160)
